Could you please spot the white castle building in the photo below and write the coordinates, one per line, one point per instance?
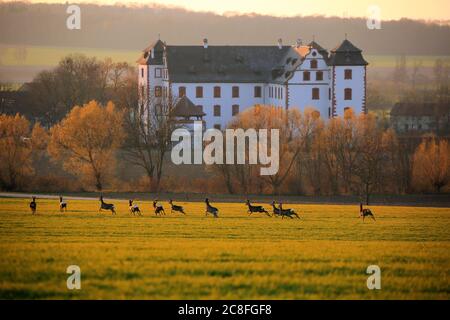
(215, 83)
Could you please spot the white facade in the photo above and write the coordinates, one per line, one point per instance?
(308, 78)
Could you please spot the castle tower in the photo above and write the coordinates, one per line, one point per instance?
(150, 79)
(348, 79)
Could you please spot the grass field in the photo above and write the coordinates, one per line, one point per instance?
(323, 255)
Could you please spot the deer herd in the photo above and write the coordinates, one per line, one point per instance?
(159, 209)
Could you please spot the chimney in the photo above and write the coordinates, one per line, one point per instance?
(299, 42)
(280, 43)
(205, 43)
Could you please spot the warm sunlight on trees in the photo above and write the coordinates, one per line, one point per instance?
(86, 141)
(17, 143)
(431, 165)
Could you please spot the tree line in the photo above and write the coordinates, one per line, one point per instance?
(87, 129)
(34, 24)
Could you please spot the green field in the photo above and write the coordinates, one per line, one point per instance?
(12, 55)
(323, 255)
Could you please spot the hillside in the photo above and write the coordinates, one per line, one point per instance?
(132, 28)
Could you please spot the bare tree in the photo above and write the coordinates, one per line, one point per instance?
(149, 129)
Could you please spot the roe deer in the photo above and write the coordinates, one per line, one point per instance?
(134, 209)
(365, 212)
(33, 205)
(252, 209)
(175, 208)
(106, 206)
(210, 209)
(62, 204)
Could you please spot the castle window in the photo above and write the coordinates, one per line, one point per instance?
(315, 94)
(158, 73)
(235, 92)
(348, 74)
(329, 112)
(199, 92)
(217, 92)
(234, 109)
(216, 111)
(281, 93)
(142, 72)
(258, 92)
(329, 93)
(181, 91)
(270, 92)
(313, 64)
(347, 94)
(217, 126)
(319, 75)
(142, 91)
(306, 76)
(158, 91)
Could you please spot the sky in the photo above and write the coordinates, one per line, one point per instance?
(390, 9)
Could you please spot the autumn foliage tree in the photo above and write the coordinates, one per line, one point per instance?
(86, 141)
(431, 165)
(18, 142)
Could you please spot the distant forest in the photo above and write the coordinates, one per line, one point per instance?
(133, 28)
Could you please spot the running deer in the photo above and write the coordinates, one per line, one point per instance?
(134, 209)
(255, 209)
(33, 205)
(283, 212)
(287, 212)
(175, 208)
(365, 212)
(210, 209)
(106, 206)
(62, 204)
(158, 208)
(276, 211)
